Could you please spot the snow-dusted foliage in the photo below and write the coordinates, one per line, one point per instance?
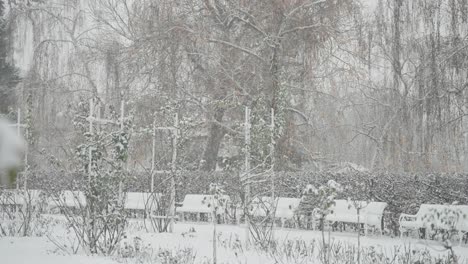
(220, 199)
(100, 221)
(320, 200)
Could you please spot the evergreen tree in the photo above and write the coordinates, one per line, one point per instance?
(8, 73)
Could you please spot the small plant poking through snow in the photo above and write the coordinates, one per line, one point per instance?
(323, 201)
(190, 233)
(217, 204)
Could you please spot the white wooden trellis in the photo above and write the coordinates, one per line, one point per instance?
(18, 127)
(247, 138)
(102, 121)
(247, 173)
(175, 133)
(272, 157)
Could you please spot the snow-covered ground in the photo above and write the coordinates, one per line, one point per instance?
(40, 250)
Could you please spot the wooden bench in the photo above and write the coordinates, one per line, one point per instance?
(344, 211)
(436, 217)
(200, 204)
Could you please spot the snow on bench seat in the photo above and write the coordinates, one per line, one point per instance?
(436, 216)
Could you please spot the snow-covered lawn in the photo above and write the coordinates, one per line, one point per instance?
(39, 250)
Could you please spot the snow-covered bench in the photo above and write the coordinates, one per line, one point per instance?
(370, 214)
(17, 199)
(436, 216)
(282, 207)
(141, 202)
(200, 204)
(418, 220)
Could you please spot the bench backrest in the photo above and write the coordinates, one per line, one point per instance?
(370, 212)
(423, 212)
(197, 200)
(374, 213)
(345, 207)
(375, 208)
(438, 215)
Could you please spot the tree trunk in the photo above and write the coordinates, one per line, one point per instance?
(216, 134)
(396, 98)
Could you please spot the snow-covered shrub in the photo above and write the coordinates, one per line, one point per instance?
(98, 219)
(219, 202)
(319, 201)
(135, 226)
(126, 247)
(294, 251)
(101, 157)
(178, 256)
(133, 251)
(44, 225)
(66, 243)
